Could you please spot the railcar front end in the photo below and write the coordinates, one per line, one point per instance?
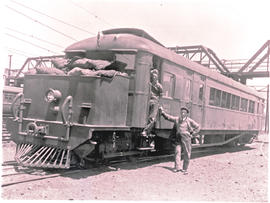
(58, 116)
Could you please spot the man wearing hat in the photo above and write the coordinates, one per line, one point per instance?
(185, 128)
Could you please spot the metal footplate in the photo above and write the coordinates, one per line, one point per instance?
(42, 156)
(146, 149)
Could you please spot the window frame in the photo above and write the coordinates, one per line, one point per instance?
(171, 84)
(188, 93)
(251, 106)
(244, 104)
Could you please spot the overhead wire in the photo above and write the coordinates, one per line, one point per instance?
(41, 23)
(93, 14)
(61, 21)
(48, 42)
(30, 43)
(22, 53)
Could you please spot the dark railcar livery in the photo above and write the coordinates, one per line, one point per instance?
(63, 118)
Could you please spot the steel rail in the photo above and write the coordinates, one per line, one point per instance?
(41, 178)
(112, 163)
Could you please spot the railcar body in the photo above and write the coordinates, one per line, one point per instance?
(94, 117)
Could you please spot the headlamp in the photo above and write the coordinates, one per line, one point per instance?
(52, 95)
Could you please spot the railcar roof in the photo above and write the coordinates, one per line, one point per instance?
(133, 31)
(126, 39)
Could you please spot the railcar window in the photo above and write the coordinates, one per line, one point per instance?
(244, 104)
(223, 99)
(251, 106)
(157, 62)
(128, 59)
(228, 101)
(178, 87)
(217, 98)
(201, 92)
(168, 84)
(235, 102)
(212, 96)
(188, 90)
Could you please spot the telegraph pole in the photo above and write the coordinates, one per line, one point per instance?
(7, 80)
(267, 111)
(9, 68)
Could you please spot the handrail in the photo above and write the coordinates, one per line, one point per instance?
(64, 117)
(13, 110)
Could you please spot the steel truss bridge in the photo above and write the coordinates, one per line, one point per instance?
(240, 70)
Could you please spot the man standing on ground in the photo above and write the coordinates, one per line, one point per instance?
(185, 129)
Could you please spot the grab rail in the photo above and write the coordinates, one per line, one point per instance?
(13, 110)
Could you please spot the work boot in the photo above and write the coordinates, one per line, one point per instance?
(144, 134)
(152, 144)
(185, 172)
(93, 142)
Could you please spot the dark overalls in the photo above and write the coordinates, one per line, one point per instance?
(156, 92)
(183, 130)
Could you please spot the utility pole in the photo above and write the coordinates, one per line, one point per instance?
(9, 68)
(267, 111)
(7, 80)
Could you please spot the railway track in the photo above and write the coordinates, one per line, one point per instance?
(6, 137)
(13, 174)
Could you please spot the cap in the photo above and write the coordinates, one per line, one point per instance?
(184, 108)
(154, 71)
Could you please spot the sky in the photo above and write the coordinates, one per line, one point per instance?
(233, 29)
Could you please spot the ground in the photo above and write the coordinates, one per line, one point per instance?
(230, 174)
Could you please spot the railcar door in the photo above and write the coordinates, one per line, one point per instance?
(171, 80)
(198, 98)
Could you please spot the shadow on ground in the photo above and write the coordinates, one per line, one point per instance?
(134, 163)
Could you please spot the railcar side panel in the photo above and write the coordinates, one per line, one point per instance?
(222, 116)
(35, 87)
(111, 95)
(182, 87)
(169, 73)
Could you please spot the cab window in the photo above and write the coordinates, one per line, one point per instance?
(251, 106)
(168, 84)
(244, 104)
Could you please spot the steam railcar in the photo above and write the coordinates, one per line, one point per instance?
(63, 117)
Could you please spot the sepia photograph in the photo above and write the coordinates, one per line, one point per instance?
(132, 100)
